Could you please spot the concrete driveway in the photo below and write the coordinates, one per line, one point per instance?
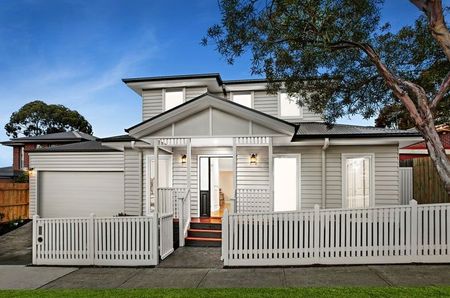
(15, 246)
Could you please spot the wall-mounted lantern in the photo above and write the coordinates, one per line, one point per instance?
(183, 159)
(253, 159)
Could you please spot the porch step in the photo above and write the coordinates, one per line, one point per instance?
(204, 233)
(205, 226)
(203, 242)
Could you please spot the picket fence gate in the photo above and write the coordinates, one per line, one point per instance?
(397, 234)
(102, 241)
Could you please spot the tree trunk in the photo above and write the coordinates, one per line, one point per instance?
(437, 153)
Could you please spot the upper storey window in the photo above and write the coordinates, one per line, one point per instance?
(173, 98)
(289, 106)
(244, 99)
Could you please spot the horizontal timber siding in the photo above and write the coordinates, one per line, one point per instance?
(386, 174)
(132, 182)
(152, 100)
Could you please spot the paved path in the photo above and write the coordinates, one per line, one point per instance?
(15, 246)
(338, 276)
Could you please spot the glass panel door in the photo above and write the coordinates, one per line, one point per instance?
(286, 179)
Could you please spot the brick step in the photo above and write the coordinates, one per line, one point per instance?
(204, 233)
(203, 242)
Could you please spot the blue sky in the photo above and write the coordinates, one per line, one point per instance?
(75, 53)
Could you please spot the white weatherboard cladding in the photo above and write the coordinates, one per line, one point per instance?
(133, 182)
(152, 100)
(252, 176)
(386, 173)
(78, 194)
(76, 161)
(269, 104)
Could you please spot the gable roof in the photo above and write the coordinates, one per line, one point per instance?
(210, 100)
(89, 146)
(312, 130)
(59, 137)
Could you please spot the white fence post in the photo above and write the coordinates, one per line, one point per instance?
(225, 237)
(413, 205)
(316, 232)
(180, 222)
(91, 238)
(35, 230)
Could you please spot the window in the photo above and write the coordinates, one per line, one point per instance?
(289, 106)
(244, 99)
(173, 98)
(357, 181)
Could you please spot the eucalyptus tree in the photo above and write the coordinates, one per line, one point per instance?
(340, 58)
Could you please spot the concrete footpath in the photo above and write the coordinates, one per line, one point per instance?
(22, 277)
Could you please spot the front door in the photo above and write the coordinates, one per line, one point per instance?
(205, 193)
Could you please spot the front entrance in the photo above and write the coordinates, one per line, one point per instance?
(215, 185)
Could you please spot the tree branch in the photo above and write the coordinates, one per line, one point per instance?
(393, 82)
(436, 22)
(441, 92)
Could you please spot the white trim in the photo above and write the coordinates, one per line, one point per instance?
(298, 156)
(344, 157)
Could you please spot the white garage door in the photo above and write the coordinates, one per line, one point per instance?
(73, 194)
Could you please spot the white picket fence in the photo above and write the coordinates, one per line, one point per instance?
(398, 234)
(103, 241)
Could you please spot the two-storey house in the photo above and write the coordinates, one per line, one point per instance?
(225, 145)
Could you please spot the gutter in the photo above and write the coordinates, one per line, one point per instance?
(326, 144)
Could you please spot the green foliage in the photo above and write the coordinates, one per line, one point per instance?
(396, 116)
(38, 118)
(22, 177)
(305, 43)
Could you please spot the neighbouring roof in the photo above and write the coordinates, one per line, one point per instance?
(6, 171)
(60, 137)
(311, 130)
(88, 146)
(444, 134)
(119, 138)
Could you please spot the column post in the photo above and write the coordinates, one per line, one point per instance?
(271, 194)
(155, 179)
(234, 176)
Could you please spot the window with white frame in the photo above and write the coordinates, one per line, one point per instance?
(289, 106)
(244, 99)
(173, 98)
(357, 181)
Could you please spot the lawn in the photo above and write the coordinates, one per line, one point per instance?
(198, 293)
